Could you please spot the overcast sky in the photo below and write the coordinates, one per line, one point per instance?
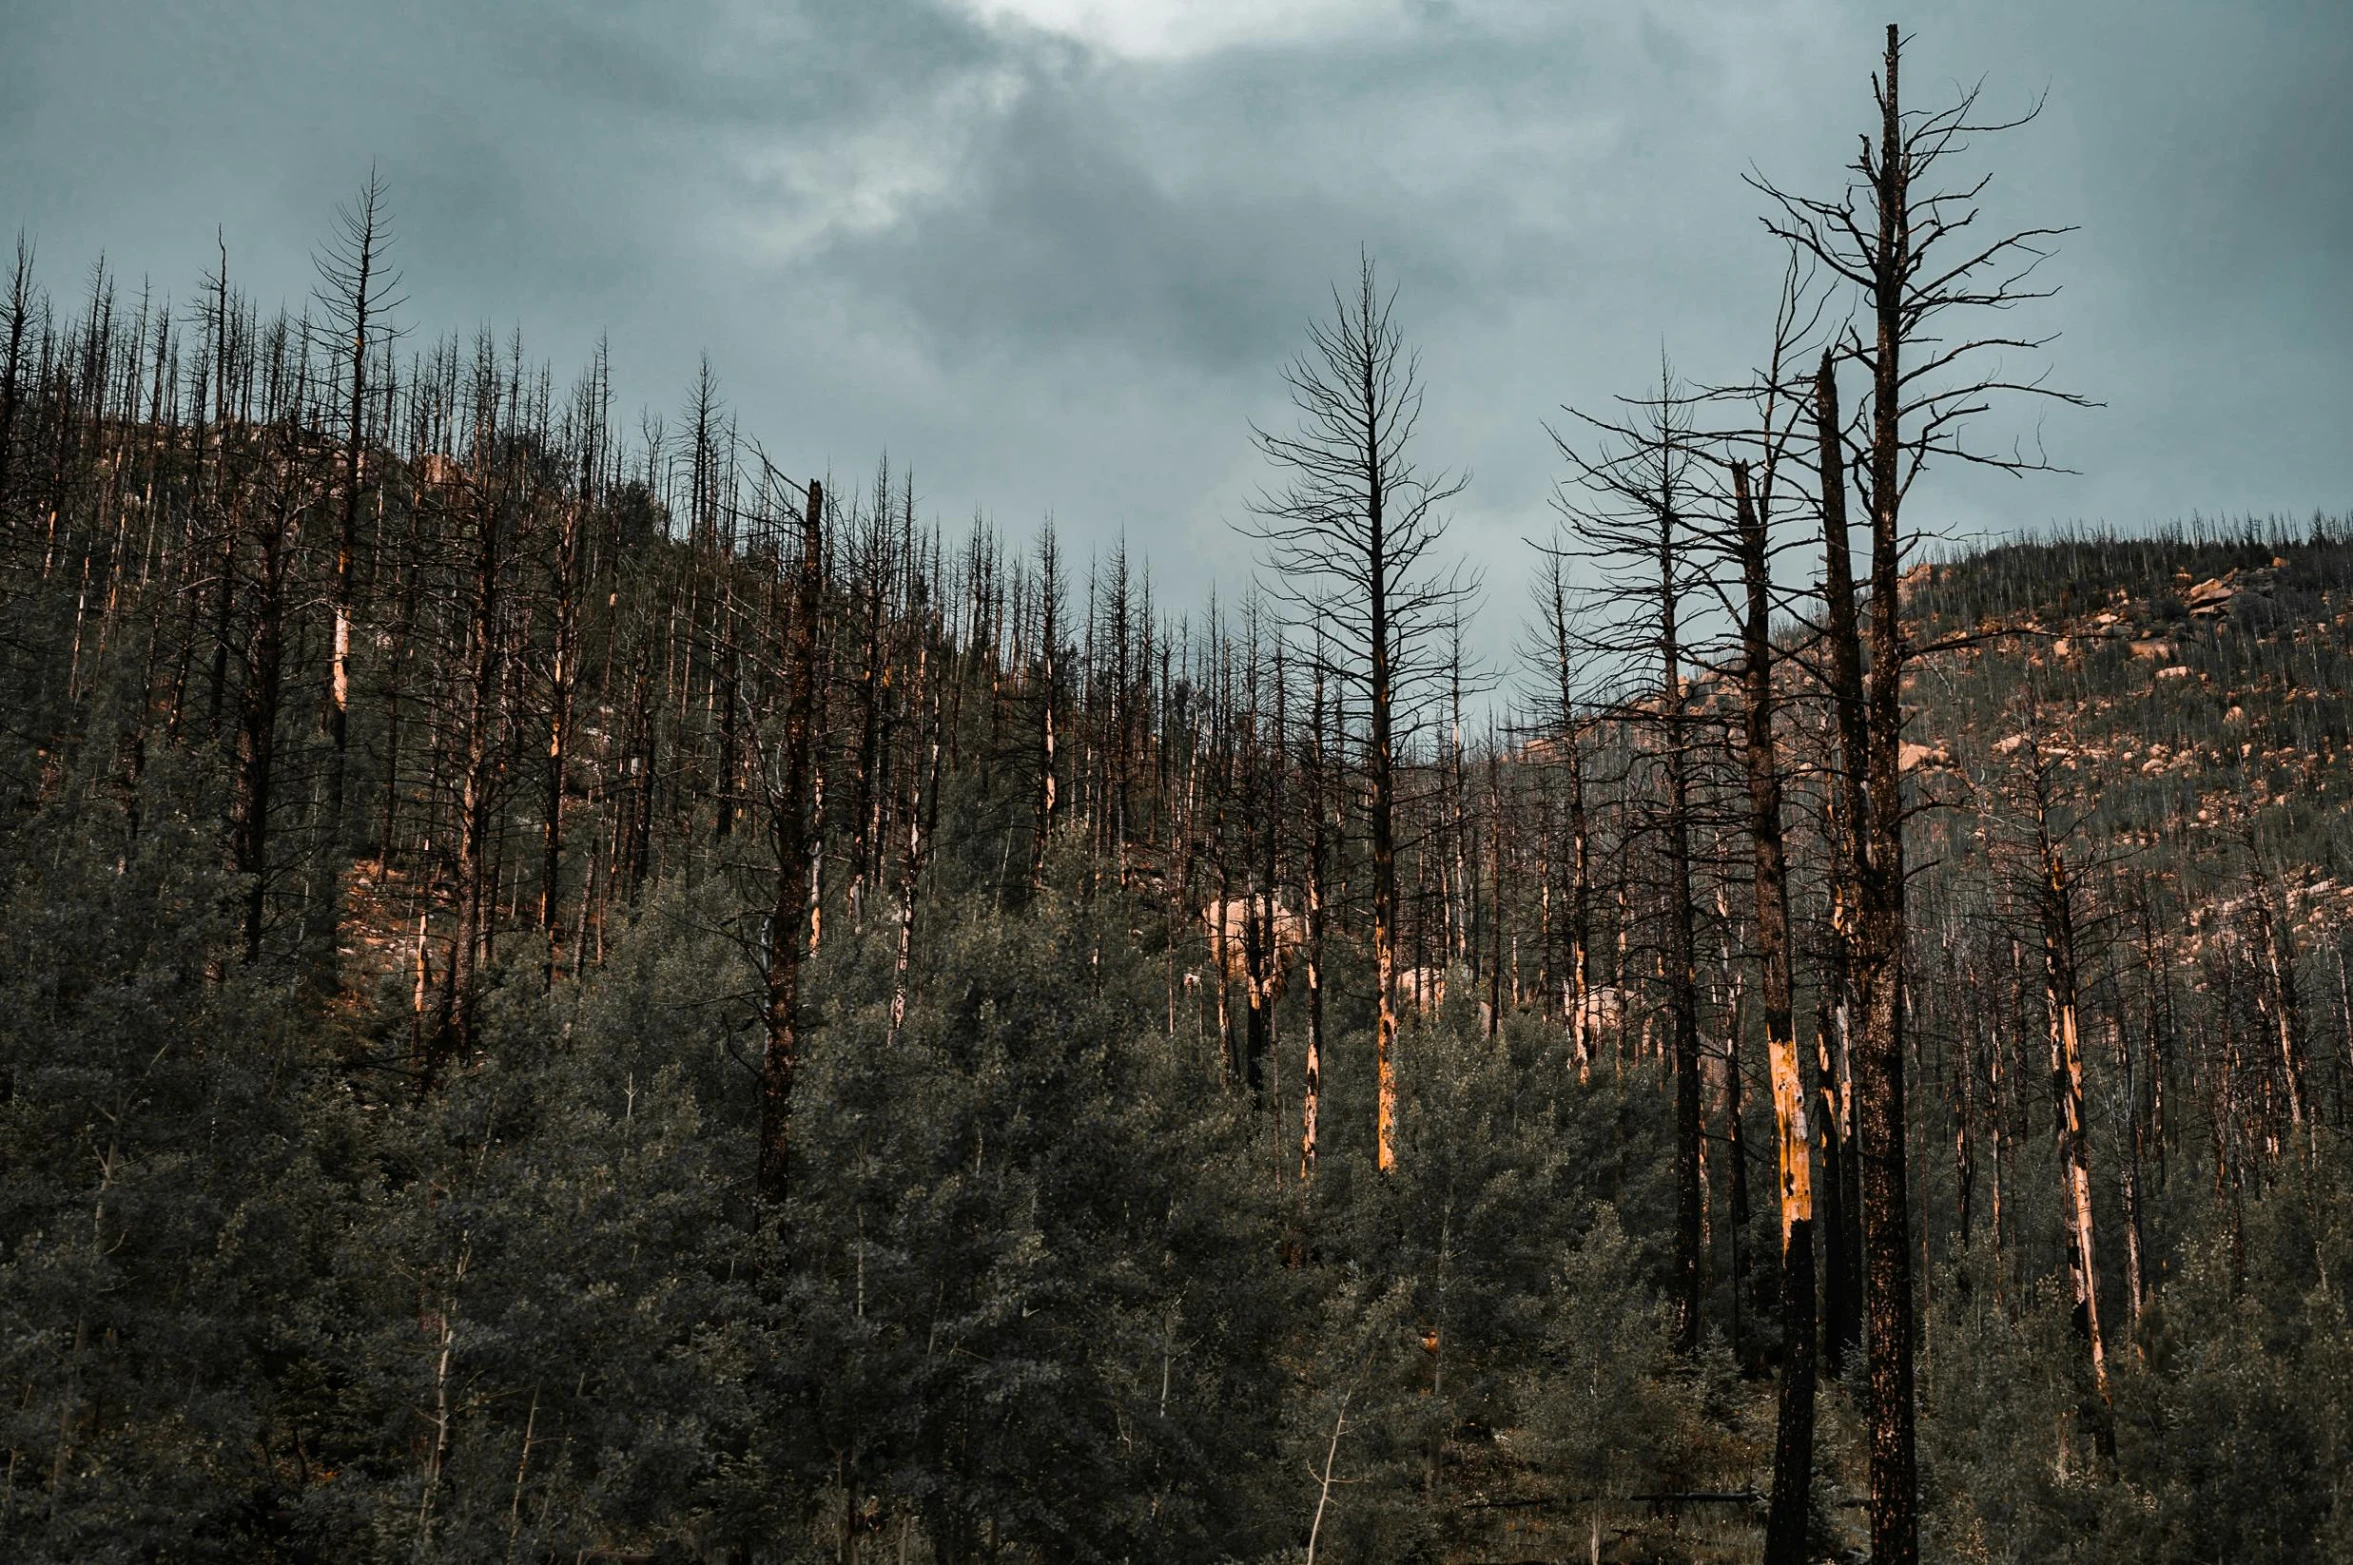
(1054, 252)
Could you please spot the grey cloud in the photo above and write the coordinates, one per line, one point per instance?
(1055, 228)
(1105, 204)
(712, 63)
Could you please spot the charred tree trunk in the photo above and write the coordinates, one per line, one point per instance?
(563, 674)
(477, 765)
(1318, 848)
(789, 824)
(2055, 910)
(1879, 948)
(19, 316)
(353, 286)
(1381, 762)
(1494, 896)
(1047, 677)
(257, 724)
(1793, 1441)
(1346, 540)
(923, 788)
(1681, 958)
(2284, 1007)
(1637, 536)
(1576, 975)
(1842, 1279)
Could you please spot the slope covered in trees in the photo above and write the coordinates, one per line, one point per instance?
(570, 997)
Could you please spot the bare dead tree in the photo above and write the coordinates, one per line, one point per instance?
(356, 292)
(491, 498)
(1844, 812)
(1572, 931)
(1764, 453)
(1793, 1443)
(2282, 1008)
(1046, 687)
(790, 780)
(931, 671)
(1346, 544)
(16, 317)
(566, 570)
(2055, 876)
(259, 698)
(1628, 510)
(1315, 867)
(1903, 238)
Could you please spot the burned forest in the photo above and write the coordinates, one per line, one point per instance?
(578, 986)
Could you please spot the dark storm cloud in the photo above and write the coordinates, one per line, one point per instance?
(1059, 266)
(1057, 231)
(1199, 212)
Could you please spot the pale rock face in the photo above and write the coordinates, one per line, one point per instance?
(2230, 592)
(1228, 923)
(1423, 988)
(1602, 1009)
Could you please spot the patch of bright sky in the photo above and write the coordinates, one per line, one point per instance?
(1163, 30)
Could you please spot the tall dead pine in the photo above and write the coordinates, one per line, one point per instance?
(2055, 909)
(1793, 1440)
(353, 288)
(1346, 544)
(1903, 239)
(1628, 518)
(791, 781)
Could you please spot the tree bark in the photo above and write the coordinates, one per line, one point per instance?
(562, 675)
(1879, 1056)
(1312, 1078)
(1381, 759)
(478, 762)
(1680, 957)
(789, 834)
(351, 277)
(257, 725)
(2055, 902)
(1346, 542)
(1793, 1440)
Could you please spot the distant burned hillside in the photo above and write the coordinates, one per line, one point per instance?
(2196, 688)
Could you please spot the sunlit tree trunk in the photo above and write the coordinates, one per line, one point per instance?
(1793, 1439)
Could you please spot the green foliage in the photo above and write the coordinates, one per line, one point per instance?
(2226, 1435)
(1041, 1286)
(1037, 1286)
